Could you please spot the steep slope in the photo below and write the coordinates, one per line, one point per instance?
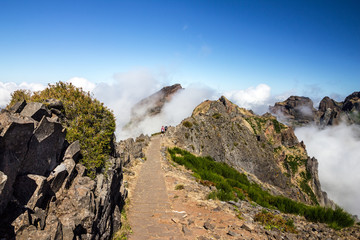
(298, 111)
(260, 146)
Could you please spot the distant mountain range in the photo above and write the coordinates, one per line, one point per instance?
(298, 111)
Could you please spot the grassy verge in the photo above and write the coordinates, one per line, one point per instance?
(125, 229)
(232, 185)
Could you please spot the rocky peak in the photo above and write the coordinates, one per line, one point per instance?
(327, 102)
(296, 110)
(259, 146)
(153, 104)
(352, 102)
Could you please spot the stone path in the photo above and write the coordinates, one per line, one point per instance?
(150, 213)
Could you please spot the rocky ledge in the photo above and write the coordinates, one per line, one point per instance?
(44, 190)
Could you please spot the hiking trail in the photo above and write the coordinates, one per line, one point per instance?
(150, 212)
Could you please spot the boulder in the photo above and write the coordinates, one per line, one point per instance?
(57, 177)
(36, 111)
(18, 107)
(32, 191)
(73, 151)
(45, 148)
(54, 103)
(15, 136)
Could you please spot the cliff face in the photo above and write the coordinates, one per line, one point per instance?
(298, 111)
(260, 146)
(44, 190)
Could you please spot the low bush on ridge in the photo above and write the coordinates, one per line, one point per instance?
(232, 185)
(87, 120)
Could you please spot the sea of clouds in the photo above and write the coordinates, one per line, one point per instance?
(336, 148)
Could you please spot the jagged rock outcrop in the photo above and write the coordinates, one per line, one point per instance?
(152, 105)
(44, 190)
(260, 146)
(298, 111)
(295, 110)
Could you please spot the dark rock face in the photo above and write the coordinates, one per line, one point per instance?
(35, 110)
(44, 191)
(257, 145)
(352, 102)
(298, 111)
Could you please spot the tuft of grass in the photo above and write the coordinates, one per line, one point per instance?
(179, 187)
(125, 229)
(187, 124)
(216, 115)
(232, 185)
(271, 221)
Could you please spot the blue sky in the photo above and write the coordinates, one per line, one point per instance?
(310, 47)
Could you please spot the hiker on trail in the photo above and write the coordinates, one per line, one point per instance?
(165, 128)
(162, 130)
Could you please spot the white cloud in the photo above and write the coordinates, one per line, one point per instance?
(337, 149)
(83, 83)
(180, 107)
(127, 89)
(7, 88)
(255, 98)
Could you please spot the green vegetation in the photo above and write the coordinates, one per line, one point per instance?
(187, 124)
(293, 162)
(271, 221)
(125, 229)
(252, 125)
(87, 120)
(232, 185)
(179, 187)
(278, 126)
(277, 149)
(19, 95)
(304, 185)
(216, 115)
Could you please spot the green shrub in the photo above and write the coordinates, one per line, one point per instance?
(232, 185)
(277, 125)
(272, 221)
(187, 124)
(179, 187)
(87, 120)
(216, 115)
(19, 95)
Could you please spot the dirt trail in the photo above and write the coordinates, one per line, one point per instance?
(150, 212)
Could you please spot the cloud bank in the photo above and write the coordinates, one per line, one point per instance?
(257, 98)
(337, 149)
(83, 83)
(7, 88)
